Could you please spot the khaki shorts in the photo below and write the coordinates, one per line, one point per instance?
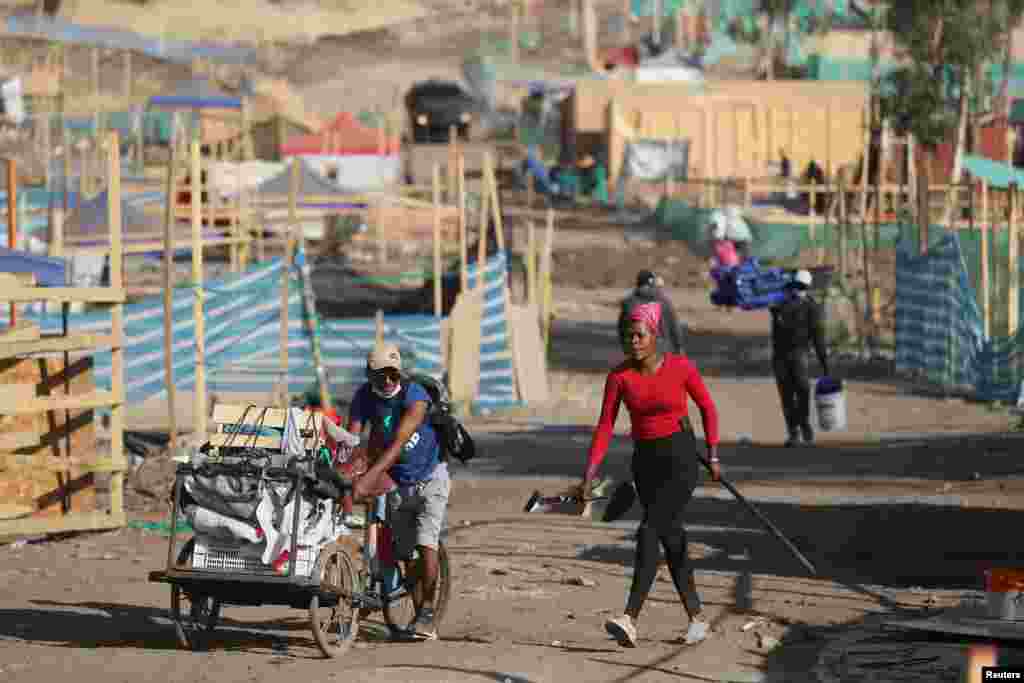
(417, 514)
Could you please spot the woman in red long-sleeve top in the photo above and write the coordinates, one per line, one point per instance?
(655, 386)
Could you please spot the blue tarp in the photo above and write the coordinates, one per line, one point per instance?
(49, 272)
(749, 286)
(199, 93)
(178, 51)
(997, 174)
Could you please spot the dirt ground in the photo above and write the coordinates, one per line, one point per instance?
(900, 513)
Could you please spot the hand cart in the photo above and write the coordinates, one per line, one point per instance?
(206, 575)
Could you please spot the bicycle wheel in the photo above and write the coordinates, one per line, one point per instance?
(400, 612)
(195, 616)
(332, 614)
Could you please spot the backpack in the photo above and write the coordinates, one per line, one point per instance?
(452, 436)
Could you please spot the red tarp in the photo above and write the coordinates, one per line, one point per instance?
(990, 143)
(343, 135)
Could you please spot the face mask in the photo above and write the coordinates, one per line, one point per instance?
(382, 394)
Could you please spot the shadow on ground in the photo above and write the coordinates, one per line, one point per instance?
(109, 625)
(897, 544)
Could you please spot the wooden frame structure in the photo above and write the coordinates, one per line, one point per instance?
(14, 402)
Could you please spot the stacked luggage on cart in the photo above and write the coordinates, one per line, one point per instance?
(244, 521)
(748, 286)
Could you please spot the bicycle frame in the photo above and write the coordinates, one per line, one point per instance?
(373, 595)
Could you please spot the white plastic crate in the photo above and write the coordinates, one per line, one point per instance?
(244, 558)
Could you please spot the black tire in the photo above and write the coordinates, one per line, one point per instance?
(335, 632)
(399, 614)
(195, 616)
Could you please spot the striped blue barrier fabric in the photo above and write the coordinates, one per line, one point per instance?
(242, 338)
(939, 328)
(497, 373)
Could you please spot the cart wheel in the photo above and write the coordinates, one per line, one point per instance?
(335, 624)
(400, 613)
(194, 616)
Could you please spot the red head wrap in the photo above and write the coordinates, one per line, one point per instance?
(649, 315)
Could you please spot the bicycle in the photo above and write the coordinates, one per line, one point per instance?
(385, 584)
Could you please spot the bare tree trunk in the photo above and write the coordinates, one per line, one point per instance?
(923, 157)
(1004, 86)
(768, 46)
(952, 196)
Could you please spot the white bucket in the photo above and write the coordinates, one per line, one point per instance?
(830, 405)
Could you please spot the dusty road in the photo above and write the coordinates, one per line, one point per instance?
(896, 520)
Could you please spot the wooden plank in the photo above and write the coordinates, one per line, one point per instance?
(117, 412)
(1013, 288)
(78, 521)
(986, 311)
(11, 280)
(106, 295)
(10, 405)
(158, 245)
(464, 357)
(58, 433)
(18, 393)
(231, 413)
(51, 463)
(246, 441)
(530, 361)
(22, 331)
(11, 441)
(14, 510)
(58, 343)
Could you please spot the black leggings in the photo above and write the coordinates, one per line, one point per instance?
(794, 389)
(665, 472)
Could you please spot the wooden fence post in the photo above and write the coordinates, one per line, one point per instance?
(1013, 281)
(168, 276)
(986, 313)
(198, 314)
(436, 182)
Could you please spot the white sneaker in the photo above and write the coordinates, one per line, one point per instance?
(698, 632)
(622, 630)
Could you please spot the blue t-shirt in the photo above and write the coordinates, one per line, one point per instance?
(421, 452)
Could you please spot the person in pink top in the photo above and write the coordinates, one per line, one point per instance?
(655, 387)
(725, 252)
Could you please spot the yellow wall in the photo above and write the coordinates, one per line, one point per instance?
(738, 136)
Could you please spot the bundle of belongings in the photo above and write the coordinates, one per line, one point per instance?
(236, 511)
(748, 286)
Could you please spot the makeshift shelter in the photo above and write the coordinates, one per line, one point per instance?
(90, 219)
(197, 93)
(228, 178)
(48, 271)
(270, 134)
(311, 184)
(316, 198)
(359, 156)
(209, 106)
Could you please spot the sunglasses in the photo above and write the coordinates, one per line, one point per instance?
(385, 375)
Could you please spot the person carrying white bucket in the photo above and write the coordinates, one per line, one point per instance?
(797, 324)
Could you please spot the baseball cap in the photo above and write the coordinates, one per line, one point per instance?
(385, 356)
(645, 277)
(803, 277)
